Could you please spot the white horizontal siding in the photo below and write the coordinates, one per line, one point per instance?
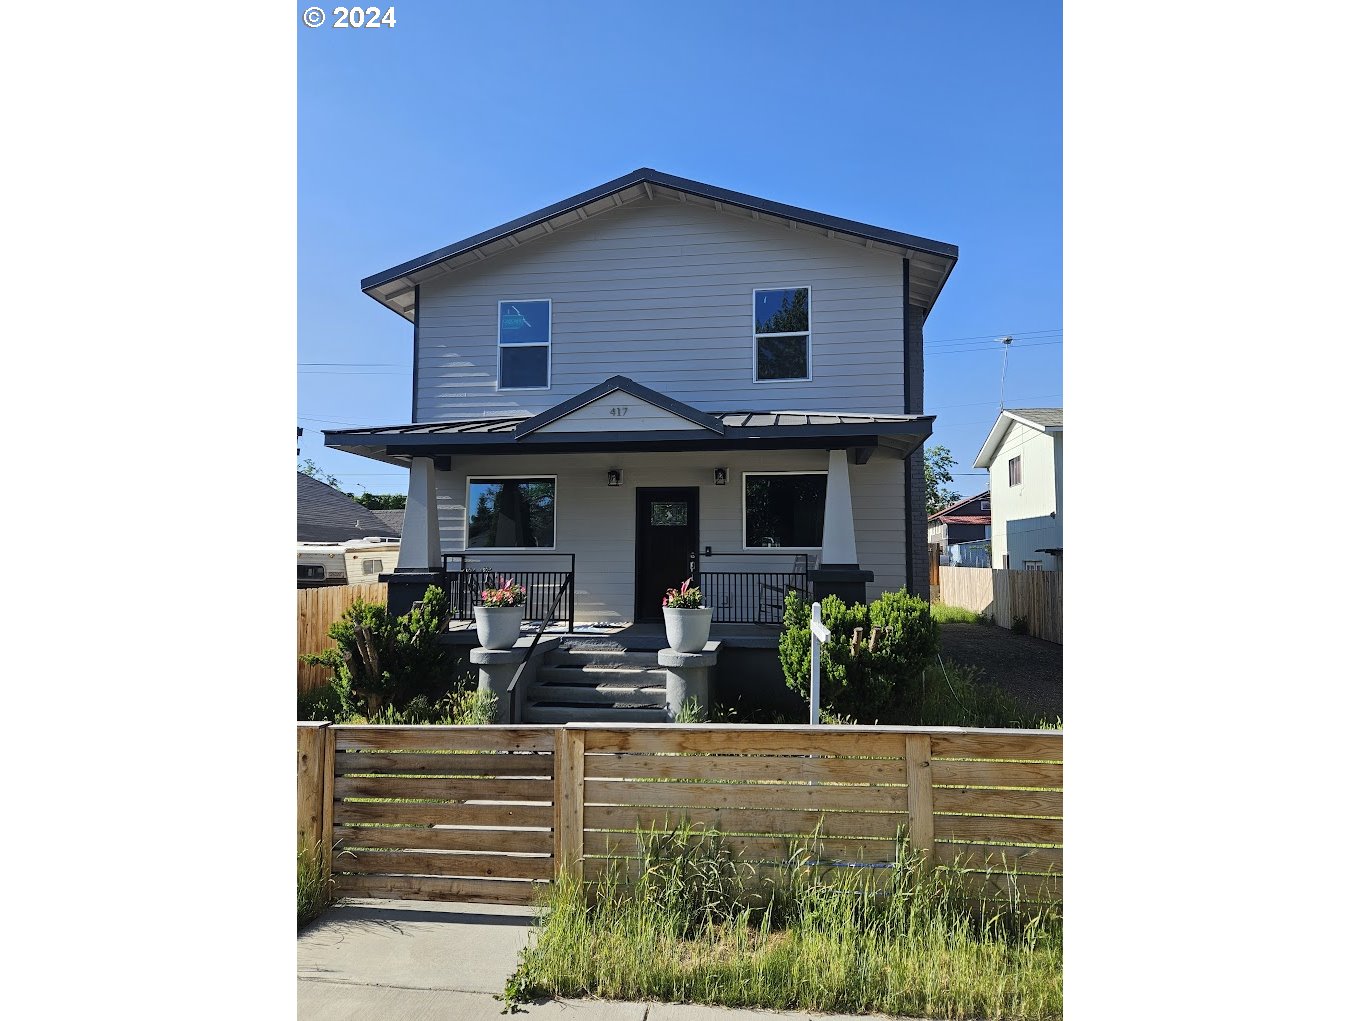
(597, 521)
(662, 292)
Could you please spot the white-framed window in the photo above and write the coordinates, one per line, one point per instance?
(783, 510)
(782, 346)
(524, 344)
(511, 512)
(1014, 471)
(373, 566)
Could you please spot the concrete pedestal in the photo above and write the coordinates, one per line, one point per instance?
(496, 669)
(406, 588)
(687, 676)
(845, 581)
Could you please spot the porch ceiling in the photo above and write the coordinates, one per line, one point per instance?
(896, 435)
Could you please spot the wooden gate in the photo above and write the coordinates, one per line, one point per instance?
(443, 813)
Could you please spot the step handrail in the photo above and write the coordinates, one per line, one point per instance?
(529, 652)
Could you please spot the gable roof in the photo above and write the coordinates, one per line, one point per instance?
(960, 503)
(325, 514)
(393, 518)
(395, 288)
(620, 384)
(1045, 420)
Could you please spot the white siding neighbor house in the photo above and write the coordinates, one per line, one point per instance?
(659, 379)
(1024, 457)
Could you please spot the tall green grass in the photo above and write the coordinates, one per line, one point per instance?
(314, 891)
(692, 923)
(943, 614)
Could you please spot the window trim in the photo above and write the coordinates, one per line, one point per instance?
(468, 514)
(548, 377)
(807, 338)
(794, 549)
(1017, 480)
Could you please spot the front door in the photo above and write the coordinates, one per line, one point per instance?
(666, 552)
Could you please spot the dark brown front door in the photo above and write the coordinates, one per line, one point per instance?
(667, 546)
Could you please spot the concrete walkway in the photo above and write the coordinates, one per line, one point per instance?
(420, 961)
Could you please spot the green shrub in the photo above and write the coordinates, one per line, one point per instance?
(1020, 626)
(314, 892)
(323, 703)
(869, 679)
(382, 660)
(457, 708)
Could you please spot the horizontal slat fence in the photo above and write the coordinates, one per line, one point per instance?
(490, 813)
(1006, 595)
(318, 609)
(443, 813)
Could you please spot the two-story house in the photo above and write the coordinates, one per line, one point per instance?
(961, 530)
(1024, 457)
(660, 379)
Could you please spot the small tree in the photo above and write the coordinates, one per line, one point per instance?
(938, 463)
(873, 659)
(384, 660)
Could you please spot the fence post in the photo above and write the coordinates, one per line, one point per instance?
(921, 823)
(313, 784)
(569, 796)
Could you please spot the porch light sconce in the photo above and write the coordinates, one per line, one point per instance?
(720, 476)
(613, 477)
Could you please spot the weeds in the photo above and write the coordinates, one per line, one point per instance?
(314, 891)
(694, 923)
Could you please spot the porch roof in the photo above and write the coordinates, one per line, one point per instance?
(897, 435)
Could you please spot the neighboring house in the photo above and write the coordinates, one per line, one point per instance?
(1024, 457)
(968, 521)
(391, 518)
(325, 514)
(657, 379)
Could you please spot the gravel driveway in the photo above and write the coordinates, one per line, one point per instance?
(1029, 669)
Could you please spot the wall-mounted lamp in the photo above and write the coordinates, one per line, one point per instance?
(720, 476)
(613, 477)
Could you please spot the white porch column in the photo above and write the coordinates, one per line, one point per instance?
(420, 527)
(838, 524)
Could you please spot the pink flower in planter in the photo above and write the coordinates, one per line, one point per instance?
(687, 597)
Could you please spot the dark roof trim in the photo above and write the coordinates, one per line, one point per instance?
(697, 188)
(628, 386)
(899, 444)
(960, 503)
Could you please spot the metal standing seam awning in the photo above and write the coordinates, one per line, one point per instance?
(896, 435)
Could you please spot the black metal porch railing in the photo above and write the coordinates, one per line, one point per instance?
(753, 597)
(478, 571)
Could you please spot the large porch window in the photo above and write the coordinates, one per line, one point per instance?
(511, 513)
(783, 509)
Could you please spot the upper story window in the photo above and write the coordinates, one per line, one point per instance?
(783, 348)
(523, 342)
(1014, 471)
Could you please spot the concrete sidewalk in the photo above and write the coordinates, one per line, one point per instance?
(374, 960)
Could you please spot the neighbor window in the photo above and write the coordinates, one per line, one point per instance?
(783, 509)
(1014, 471)
(514, 513)
(372, 566)
(782, 334)
(523, 341)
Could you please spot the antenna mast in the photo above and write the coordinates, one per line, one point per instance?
(1002, 395)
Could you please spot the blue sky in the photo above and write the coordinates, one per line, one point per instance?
(938, 120)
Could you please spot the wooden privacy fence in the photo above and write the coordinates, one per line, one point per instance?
(318, 609)
(1035, 595)
(492, 814)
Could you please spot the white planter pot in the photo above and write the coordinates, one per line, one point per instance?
(498, 627)
(687, 630)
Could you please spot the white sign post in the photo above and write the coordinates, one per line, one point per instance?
(820, 635)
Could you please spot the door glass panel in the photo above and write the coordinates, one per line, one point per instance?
(670, 513)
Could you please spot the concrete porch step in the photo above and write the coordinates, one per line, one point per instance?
(599, 694)
(553, 713)
(600, 656)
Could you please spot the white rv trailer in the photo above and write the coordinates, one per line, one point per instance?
(346, 563)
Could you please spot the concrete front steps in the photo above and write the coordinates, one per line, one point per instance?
(597, 682)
